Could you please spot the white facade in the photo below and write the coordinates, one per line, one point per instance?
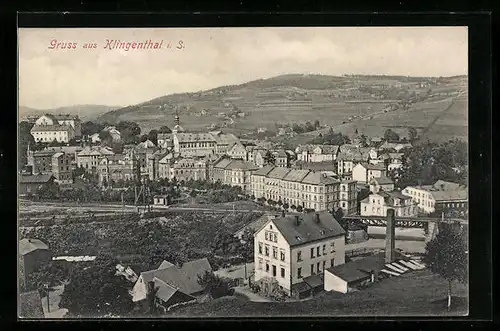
(334, 283)
(423, 198)
(363, 173)
(378, 204)
(274, 258)
(50, 133)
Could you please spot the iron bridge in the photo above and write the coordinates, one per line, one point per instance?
(404, 222)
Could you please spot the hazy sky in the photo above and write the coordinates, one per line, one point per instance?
(223, 56)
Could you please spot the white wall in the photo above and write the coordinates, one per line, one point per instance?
(139, 290)
(334, 283)
(359, 173)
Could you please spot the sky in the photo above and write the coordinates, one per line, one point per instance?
(213, 57)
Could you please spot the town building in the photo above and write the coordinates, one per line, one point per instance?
(238, 151)
(33, 254)
(164, 166)
(233, 172)
(441, 196)
(62, 168)
(30, 184)
(189, 168)
(348, 157)
(348, 197)
(317, 153)
(61, 120)
(153, 164)
(176, 285)
(281, 159)
(114, 133)
(89, 157)
(292, 252)
(40, 161)
(396, 147)
(381, 184)
(49, 133)
(363, 172)
(297, 187)
(377, 204)
(143, 151)
(118, 167)
(203, 144)
(164, 140)
(394, 161)
(160, 200)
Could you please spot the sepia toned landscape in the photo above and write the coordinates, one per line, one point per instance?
(155, 188)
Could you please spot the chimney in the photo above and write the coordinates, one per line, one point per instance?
(151, 287)
(297, 221)
(317, 218)
(283, 213)
(389, 236)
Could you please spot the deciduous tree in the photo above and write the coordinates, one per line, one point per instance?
(446, 255)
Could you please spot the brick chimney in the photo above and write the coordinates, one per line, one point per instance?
(389, 236)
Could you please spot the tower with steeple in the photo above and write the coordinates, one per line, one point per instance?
(177, 127)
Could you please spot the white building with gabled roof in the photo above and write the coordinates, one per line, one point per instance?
(292, 252)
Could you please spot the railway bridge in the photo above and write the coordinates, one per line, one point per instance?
(429, 224)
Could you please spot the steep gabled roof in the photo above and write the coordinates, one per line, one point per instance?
(308, 229)
(29, 245)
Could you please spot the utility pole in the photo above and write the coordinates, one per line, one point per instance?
(48, 294)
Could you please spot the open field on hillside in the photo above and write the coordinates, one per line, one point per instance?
(414, 294)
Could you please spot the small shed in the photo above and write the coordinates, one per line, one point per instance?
(160, 200)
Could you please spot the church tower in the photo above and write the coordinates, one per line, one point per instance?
(177, 127)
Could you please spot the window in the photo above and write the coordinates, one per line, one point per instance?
(317, 251)
(267, 267)
(312, 252)
(282, 256)
(324, 249)
(317, 267)
(275, 238)
(312, 269)
(260, 248)
(260, 264)
(332, 262)
(324, 265)
(275, 252)
(267, 251)
(332, 247)
(282, 272)
(299, 256)
(267, 235)
(299, 273)
(274, 271)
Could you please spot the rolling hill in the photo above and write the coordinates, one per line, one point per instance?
(86, 112)
(297, 98)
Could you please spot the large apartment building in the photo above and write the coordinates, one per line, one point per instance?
(298, 187)
(203, 144)
(441, 196)
(62, 128)
(293, 251)
(118, 167)
(234, 172)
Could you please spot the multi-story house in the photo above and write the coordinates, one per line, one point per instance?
(143, 151)
(165, 141)
(317, 153)
(153, 164)
(381, 184)
(118, 167)
(394, 161)
(281, 159)
(296, 187)
(49, 133)
(62, 168)
(61, 120)
(292, 252)
(363, 172)
(348, 197)
(40, 161)
(441, 196)
(89, 157)
(377, 204)
(238, 151)
(348, 157)
(185, 169)
(233, 172)
(203, 144)
(164, 166)
(114, 133)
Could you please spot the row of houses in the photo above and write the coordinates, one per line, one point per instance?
(61, 127)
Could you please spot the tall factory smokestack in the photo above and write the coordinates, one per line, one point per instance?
(390, 234)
